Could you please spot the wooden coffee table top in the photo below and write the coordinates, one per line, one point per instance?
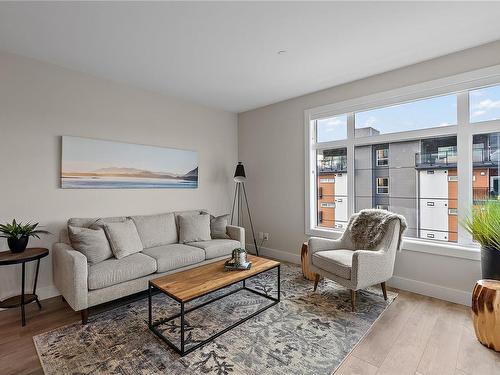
(195, 282)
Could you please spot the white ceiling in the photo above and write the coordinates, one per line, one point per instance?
(224, 55)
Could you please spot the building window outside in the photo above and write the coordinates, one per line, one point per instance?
(486, 167)
(422, 168)
(382, 185)
(382, 157)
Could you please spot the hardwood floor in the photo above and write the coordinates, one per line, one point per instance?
(417, 335)
(420, 335)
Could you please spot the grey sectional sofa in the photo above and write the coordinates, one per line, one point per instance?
(84, 285)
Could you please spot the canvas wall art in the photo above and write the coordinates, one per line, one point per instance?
(99, 164)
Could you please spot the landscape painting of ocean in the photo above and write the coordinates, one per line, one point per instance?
(98, 164)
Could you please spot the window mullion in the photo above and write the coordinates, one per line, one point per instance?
(464, 166)
(350, 163)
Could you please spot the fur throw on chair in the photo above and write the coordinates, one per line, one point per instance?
(369, 227)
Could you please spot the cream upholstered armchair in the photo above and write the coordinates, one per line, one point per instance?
(340, 261)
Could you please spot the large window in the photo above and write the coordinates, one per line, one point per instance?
(414, 158)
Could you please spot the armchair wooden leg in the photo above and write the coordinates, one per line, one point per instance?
(384, 290)
(85, 316)
(353, 299)
(316, 281)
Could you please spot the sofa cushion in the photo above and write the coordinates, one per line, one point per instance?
(156, 230)
(92, 243)
(186, 213)
(115, 271)
(218, 226)
(123, 238)
(217, 248)
(338, 262)
(171, 257)
(194, 228)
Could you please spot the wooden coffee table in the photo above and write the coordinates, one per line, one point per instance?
(197, 282)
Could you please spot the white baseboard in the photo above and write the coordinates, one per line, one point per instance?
(276, 254)
(432, 290)
(420, 287)
(47, 292)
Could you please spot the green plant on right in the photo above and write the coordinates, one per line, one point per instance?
(484, 224)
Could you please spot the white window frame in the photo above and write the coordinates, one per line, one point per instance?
(382, 159)
(382, 187)
(459, 84)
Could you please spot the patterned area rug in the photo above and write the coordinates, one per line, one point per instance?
(306, 333)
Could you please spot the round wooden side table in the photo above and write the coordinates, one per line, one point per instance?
(308, 274)
(486, 312)
(28, 255)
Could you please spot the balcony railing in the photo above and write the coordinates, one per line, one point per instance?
(443, 158)
(486, 156)
(483, 194)
(336, 164)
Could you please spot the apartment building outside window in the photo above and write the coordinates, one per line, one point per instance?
(405, 157)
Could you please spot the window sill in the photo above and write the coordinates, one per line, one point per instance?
(416, 245)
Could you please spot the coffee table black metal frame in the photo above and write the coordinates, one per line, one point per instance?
(24, 298)
(183, 311)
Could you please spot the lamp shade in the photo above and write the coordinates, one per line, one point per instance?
(239, 173)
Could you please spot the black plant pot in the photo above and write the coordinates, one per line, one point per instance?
(490, 263)
(17, 245)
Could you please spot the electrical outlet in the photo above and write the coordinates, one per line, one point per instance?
(261, 235)
(266, 236)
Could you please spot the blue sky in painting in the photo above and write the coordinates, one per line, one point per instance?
(86, 155)
(485, 104)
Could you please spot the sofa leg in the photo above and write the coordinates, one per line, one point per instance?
(384, 290)
(85, 316)
(63, 299)
(353, 299)
(316, 281)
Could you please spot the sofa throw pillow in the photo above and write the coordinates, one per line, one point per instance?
(156, 230)
(123, 238)
(193, 228)
(90, 242)
(218, 226)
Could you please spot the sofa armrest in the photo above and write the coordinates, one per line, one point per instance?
(236, 233)
(70, 273)
(371, 267)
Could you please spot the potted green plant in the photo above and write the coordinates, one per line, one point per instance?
(484, 225)
(18, 234)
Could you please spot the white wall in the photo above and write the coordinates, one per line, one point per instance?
(40, 102)
(271, 144)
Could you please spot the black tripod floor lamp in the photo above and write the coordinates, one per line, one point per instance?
(240, 198)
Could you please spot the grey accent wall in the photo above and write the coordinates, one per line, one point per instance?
(271, 144)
